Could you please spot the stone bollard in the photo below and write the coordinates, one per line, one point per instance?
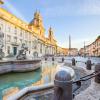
(88, 65)
(53, 59)
(97, 69)
(63, 59)
(63, 86)
(73, 62)
(45, 58)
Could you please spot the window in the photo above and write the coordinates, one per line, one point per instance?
(1, 26)
(20, 41)
(8, 38)
(8, 29)
(40, 48)
(8, 49)
(15, 39)
(29, 36)
(30, 43)
(21, 33)
(26, 42)
(15, 30)
(26, 35)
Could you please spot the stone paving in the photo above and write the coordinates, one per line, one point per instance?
(48, 96)
(88, 91)
(91, 93)
(80, 72)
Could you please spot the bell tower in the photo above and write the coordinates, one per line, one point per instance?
(37, 19)
(37, 23)
(51, 35)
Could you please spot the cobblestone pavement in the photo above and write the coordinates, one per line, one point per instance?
(91, 93)
(80, 72)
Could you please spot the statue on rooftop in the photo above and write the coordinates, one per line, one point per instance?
(22, 52)
(1, 44)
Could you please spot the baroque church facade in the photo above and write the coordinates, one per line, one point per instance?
(32, 34)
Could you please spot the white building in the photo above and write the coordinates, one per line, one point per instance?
(32, 34)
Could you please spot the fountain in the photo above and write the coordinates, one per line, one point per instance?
(22, 52)
(21, 63)
(42, 89)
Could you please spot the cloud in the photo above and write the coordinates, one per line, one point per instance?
(90, 7)
(78, 8)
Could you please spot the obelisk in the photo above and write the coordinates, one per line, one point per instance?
(69, 44)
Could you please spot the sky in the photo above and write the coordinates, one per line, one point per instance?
(78, 18)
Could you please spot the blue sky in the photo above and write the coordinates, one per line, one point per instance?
(79, 18)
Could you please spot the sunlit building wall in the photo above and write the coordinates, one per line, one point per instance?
(73, 52)
(32, 34)
(92, 49)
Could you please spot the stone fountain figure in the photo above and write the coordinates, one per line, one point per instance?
(22, 52)
(1, 44)
(35, 54)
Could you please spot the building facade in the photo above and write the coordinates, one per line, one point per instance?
(73, 52)
(92, 49)
(81, 52)
(96, 50)
(32, 34)
(62, 51)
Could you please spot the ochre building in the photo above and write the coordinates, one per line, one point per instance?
(92, 49)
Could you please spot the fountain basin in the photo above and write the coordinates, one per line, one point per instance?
(39, 90)
(19, 66)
